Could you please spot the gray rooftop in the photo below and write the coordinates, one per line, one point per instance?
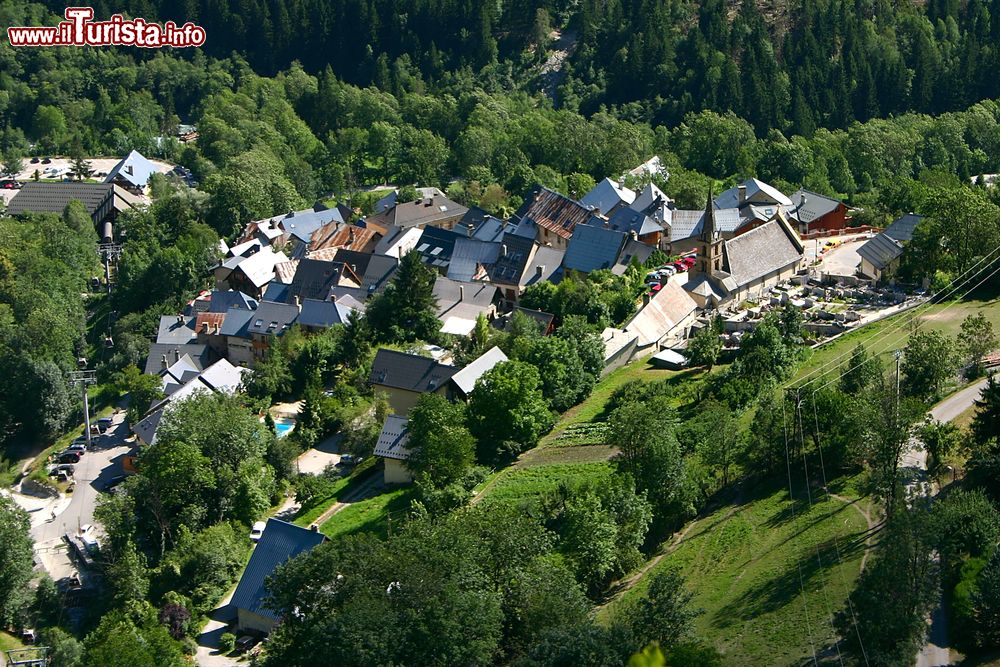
(760, 251)
(593, 247)
(881, 250)
(408, 371)
(272, 318)
(902, 228)
(280, 543)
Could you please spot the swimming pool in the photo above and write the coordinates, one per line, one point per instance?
(283, 426)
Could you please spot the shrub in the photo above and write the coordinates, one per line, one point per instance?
(227, 642)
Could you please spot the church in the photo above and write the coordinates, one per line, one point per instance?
(743, 267)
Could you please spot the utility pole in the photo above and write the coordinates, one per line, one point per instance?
(84, 378)
(899, 355)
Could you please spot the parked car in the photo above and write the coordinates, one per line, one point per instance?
(46, 160)
(104, 423)
(257, 531)
(10, 185)
(245, 643)
(77, 447)
(34, 160)
(350, 460)
(62, 468)
(68, 457)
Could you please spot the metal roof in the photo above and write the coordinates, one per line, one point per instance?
(36, 197)
(902, 228)
(811, 206)
(552, 211)
(408, 371)
(134, 168)
(593, 247)
(606, 195)
(470, 257)
(668, 308)
(272, 318)
(280, 542)
(760, 251)
(881, 250)
(466, 378)
(758, 192)
(393, 438)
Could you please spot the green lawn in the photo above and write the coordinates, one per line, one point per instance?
(743, 564)
(341, 487)
(8, 642)
(370, 515)
(523, 484)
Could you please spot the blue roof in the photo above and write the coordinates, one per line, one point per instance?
(468, 255)
(593, 247)
(236, 322)
(276, 292)
(133, 168)
(280, 542)
(316, 313)
(222, 301)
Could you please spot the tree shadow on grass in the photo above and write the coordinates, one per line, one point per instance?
(805, 571)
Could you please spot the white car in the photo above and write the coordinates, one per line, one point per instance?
(257, 531)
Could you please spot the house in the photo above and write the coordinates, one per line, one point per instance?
(176, 329)
(252, 274)
(464, 381)
(313, 279)
(744, 266)
(317, 315)
(546, 321)
(132, 173)
(757, 202)
(295, 228)
(398, 241)
(162, 355)
(685, 228)
(271, 319)
(471, 259)
(235, 330)
(633, 249)
(666, 316)
(103, 201)
(375, 271)
(183, 379)
(638, 225)
(335, 235)
(881, 255)
(279, 543)
(480, 225)
(819, 213)
(221, 301)
(594, 246)
(208, 328)
(428, 211)
(459, 304)
(435, 248)
(652, 167)
(652, 201)
(404, 377)
(391, 447)
(390, 200)
(607, 196)
(520, 263)
(554, 216)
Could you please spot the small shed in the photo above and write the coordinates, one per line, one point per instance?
(669, 359)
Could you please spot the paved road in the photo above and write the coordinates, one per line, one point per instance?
(77, 509)
(842, 260)
(936, 653)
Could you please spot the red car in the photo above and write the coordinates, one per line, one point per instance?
(689, 261)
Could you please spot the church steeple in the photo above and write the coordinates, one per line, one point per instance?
(710, 249)
(709, 232)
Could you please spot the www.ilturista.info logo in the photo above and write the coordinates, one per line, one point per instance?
(79, 30)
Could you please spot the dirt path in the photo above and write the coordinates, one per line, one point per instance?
(872, 524)
(363, 491)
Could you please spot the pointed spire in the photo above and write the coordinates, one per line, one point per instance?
(709, 232)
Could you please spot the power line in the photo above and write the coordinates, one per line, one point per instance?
(875, 356)
(791, 499)
(953, 287)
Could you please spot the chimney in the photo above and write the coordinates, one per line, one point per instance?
(180, 320)
(634, 234)
(503, 249)
(163, 362)
(298, 302)
(428, 202)
(742, 189)
(352, 236)
(540, 270)
(461, 293)
(470, 229)
(177, 355)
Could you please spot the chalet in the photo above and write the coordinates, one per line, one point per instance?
(208, 328)
(552, 215)
(744, 266)
(103, 201)
(881, 255)
(594, 246)
(318, 315)
(390, 200)
(607, 196)
(279, 543)
(132, 173)
(459, 304)
(313, 279)
(183, 379)
(404, 377)
(176, 329)
(269, 321)
(653, 202)
(758, 203)
(433, 211)
(251, 274)
(235, 330)
(520, 263)
(819, 213)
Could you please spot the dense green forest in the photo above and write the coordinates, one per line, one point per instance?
(789, 65)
